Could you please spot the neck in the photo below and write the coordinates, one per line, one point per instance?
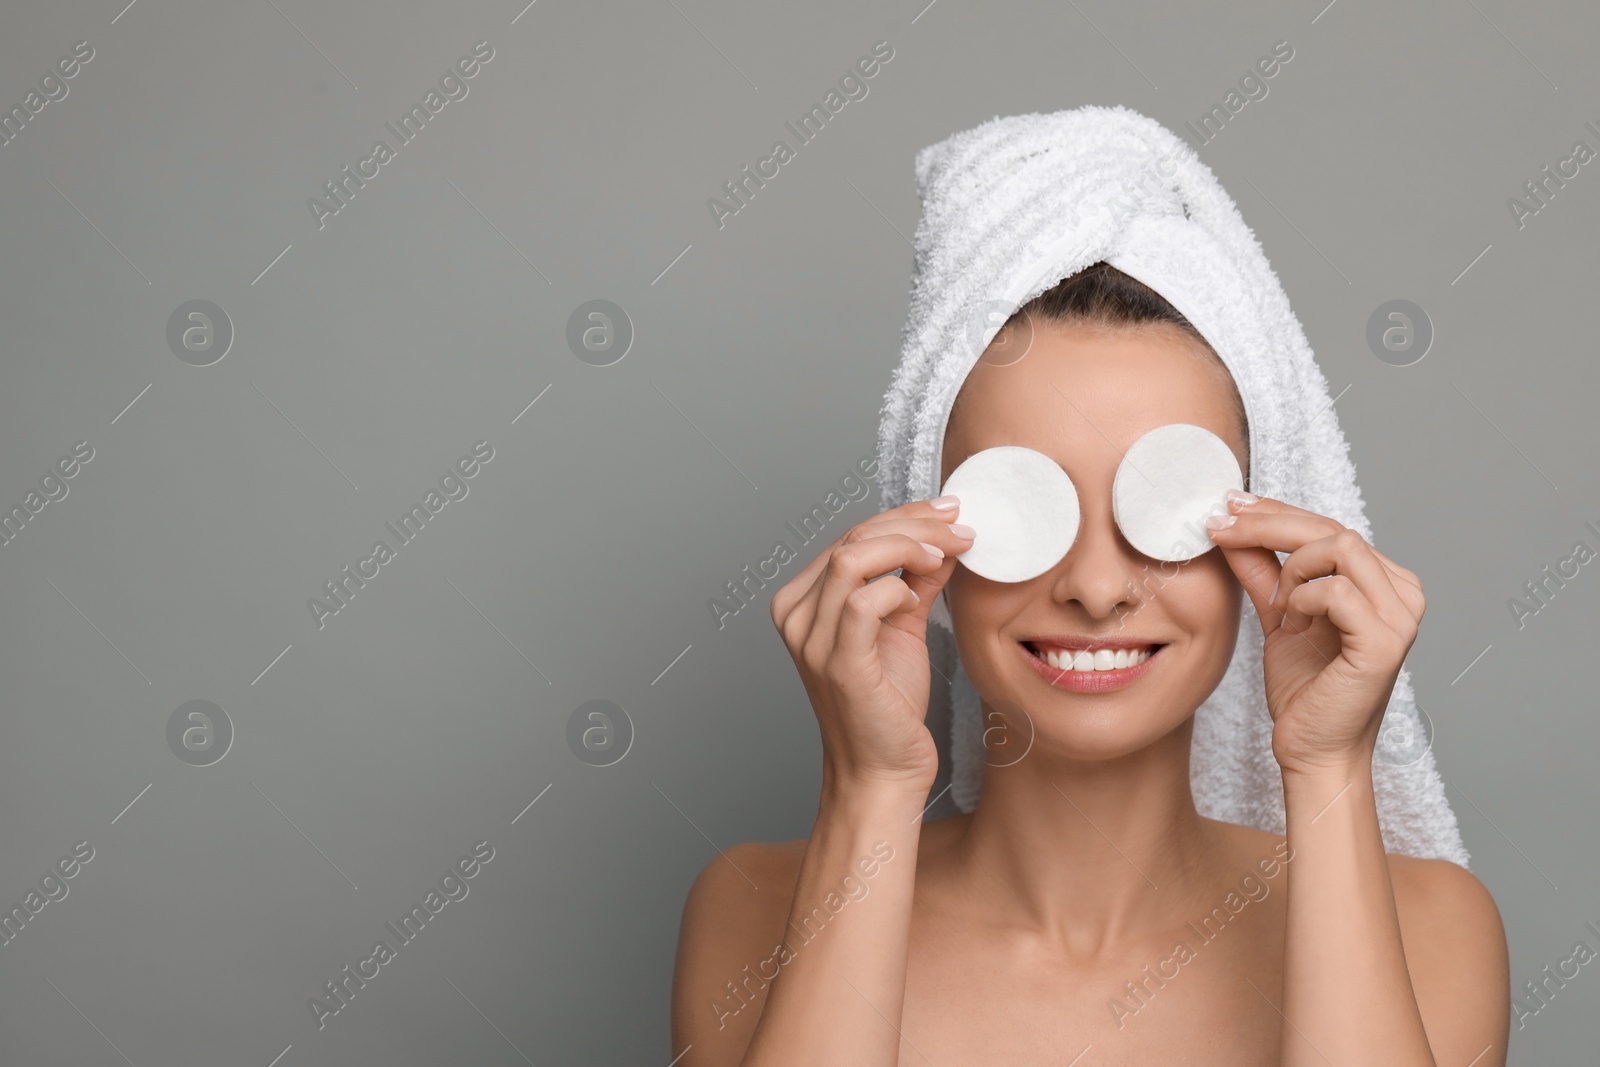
(1091, 852)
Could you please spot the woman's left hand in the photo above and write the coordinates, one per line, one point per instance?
(1336, 632)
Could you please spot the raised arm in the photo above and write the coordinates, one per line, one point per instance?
(842, 964)
(829, 988)
(1387, 959)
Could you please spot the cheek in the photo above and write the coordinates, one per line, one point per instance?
(969, 595)
(983, 606)
(1205, 596)
(1204, 603)
(981, 610)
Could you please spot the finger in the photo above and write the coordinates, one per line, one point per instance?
(1346, 553)
(1336, 598)
(1254, 560)
(863, 613)
(1407, 584)
(849, 568)
(924, 577)
(1258, 571)
(1272, 506)
(1261, 530)
(919, 518)
(1399, 572)
(1280, 531)
(1268, 505)
(810, 630)
(928, 585)
(869, 561)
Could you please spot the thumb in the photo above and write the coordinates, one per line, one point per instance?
(927, 587)
(1258, 571)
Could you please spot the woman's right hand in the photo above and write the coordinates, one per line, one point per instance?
(860, 644)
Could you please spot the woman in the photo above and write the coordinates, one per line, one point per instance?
(1084, 911)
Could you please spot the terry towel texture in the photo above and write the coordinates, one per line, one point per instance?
(1015, 205)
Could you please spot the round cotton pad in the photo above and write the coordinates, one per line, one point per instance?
(1167, 484)
(1022, 507)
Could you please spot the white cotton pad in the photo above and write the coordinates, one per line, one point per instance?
(1167, 484)
(1022, 507)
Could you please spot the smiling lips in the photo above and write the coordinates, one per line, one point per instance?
(1089, 666)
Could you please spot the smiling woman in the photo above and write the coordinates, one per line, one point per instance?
(1246, 729)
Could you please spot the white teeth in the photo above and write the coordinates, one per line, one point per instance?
(1103, 659)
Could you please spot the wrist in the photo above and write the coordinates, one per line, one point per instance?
(1319, 776)
(1326, 789)
(872, 796)
(1338, 767)
(838, 781)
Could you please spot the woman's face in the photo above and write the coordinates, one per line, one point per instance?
(1082, 395)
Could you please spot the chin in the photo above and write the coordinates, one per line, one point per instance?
(1058, 723)
(1098, 738)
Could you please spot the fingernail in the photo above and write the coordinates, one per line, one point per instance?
(945, 503)
(1240, 498)
(938, 552)
(1221, 522)
(962, 531)
(1273, 596)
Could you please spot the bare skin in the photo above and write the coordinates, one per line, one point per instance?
(1011, 935)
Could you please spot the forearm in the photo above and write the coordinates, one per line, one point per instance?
(837, 996)
(1347, 992)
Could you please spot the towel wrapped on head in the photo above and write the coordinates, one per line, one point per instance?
(1009, 209)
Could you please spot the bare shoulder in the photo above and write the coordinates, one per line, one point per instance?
(1452, 913)
(733, 919)
(1455, 946)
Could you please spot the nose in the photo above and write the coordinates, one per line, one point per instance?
(1102, 572)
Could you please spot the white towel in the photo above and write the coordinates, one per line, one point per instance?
(1015, 205)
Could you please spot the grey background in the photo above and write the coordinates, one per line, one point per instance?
(427, 314)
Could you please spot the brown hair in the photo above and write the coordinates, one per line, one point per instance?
(1102, 295)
